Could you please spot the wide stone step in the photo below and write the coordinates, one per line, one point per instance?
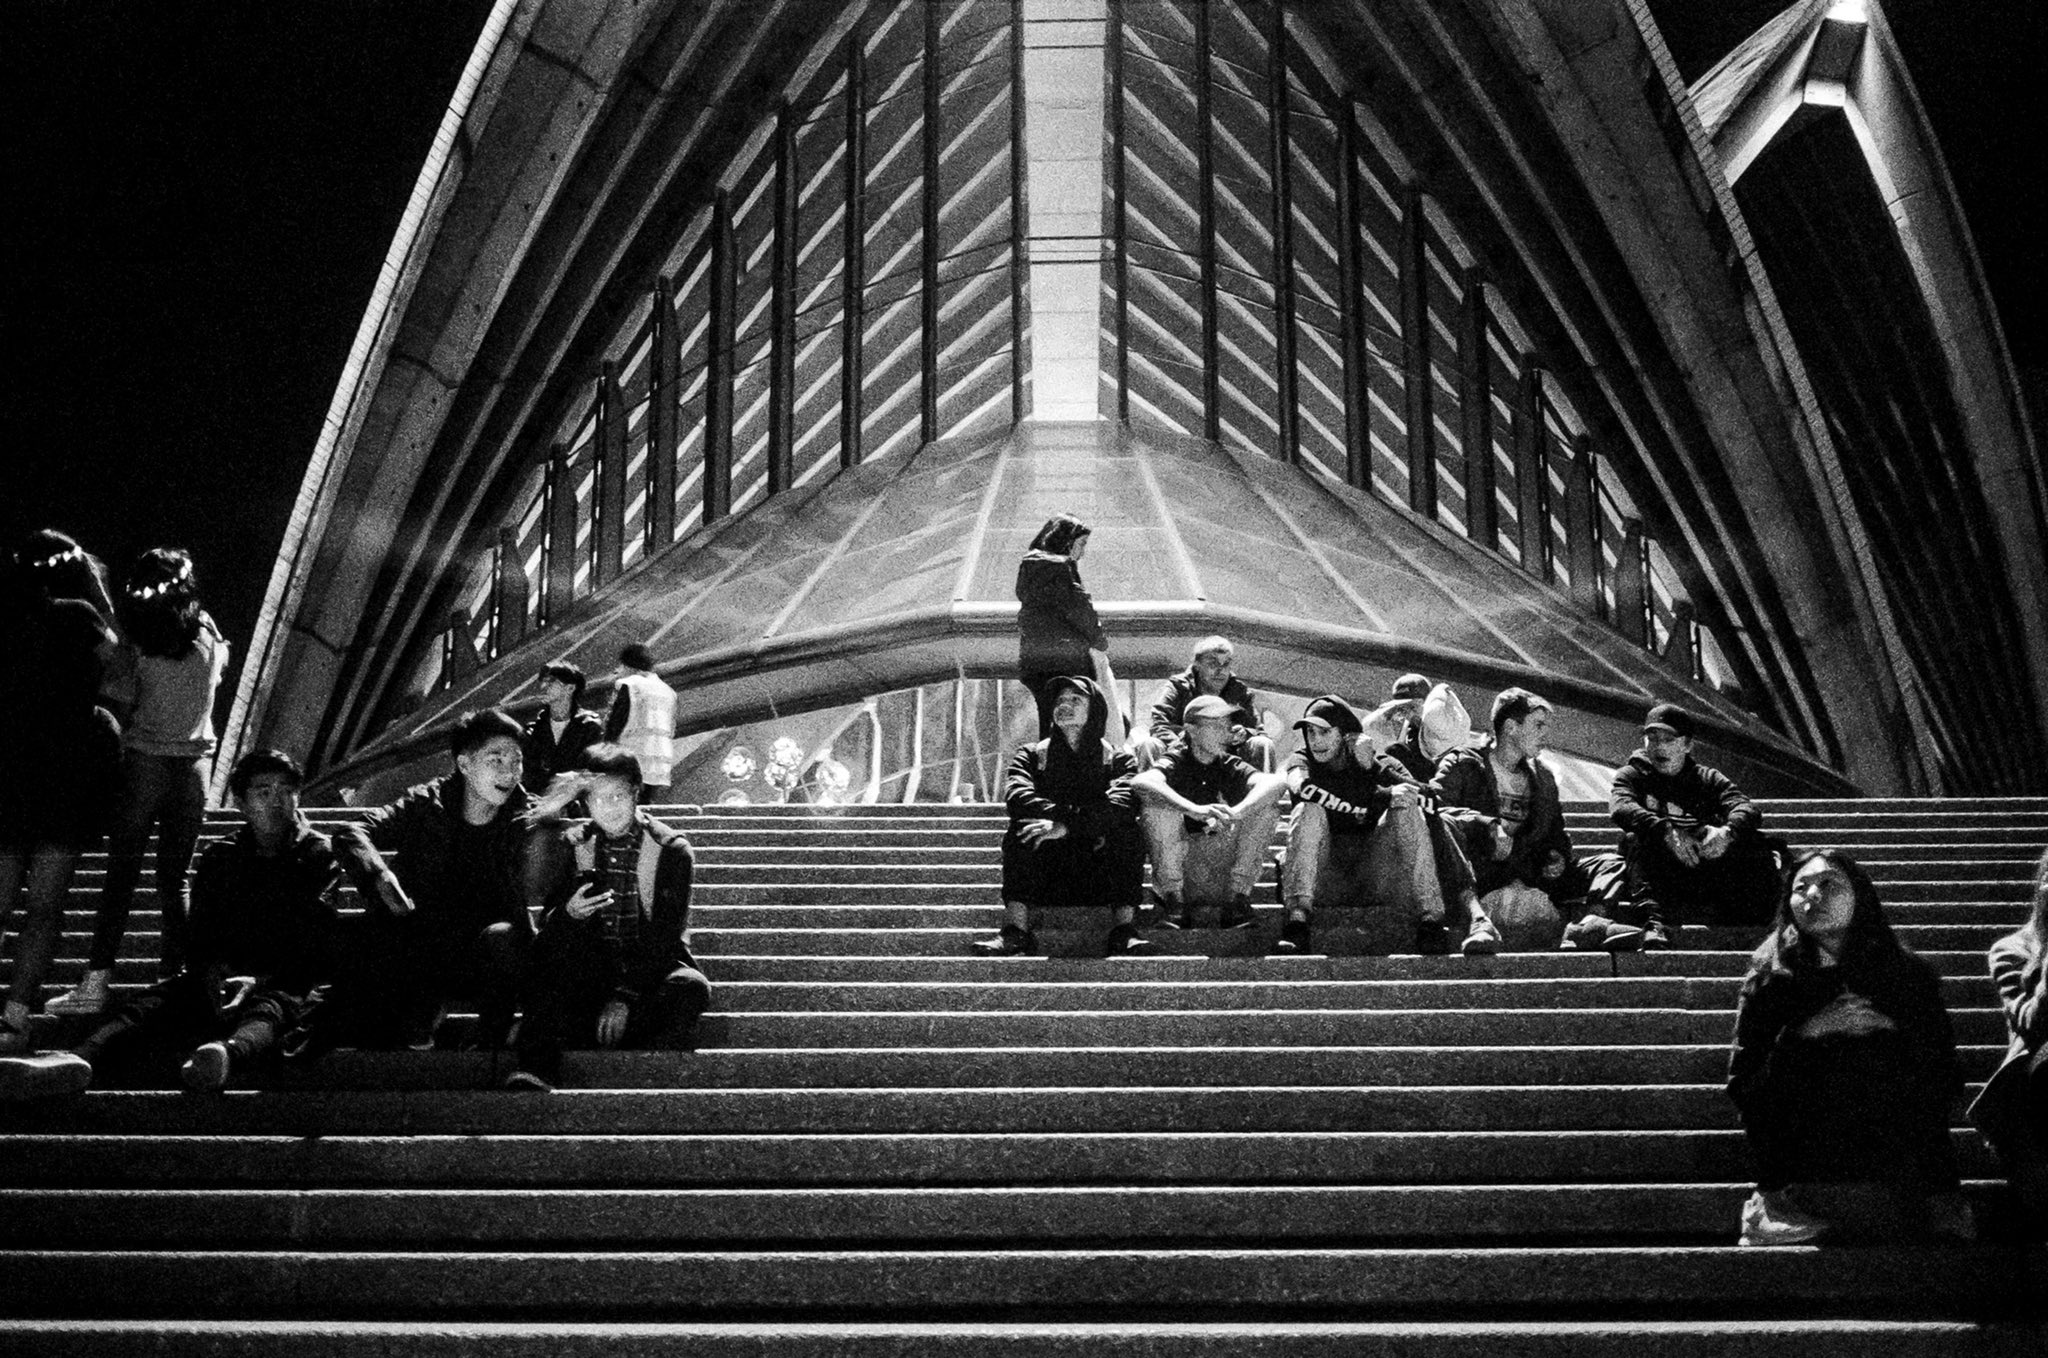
(1842, 1337)
(1570, 1280)
(311, 1112)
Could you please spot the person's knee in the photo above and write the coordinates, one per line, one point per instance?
(688, 992)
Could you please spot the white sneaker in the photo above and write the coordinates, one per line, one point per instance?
(43, 1076)
(1483, 940)
(89, 996)
(1771, 1219)
(13, 1029)
(207, 1070)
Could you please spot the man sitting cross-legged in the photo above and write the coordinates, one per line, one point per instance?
(260, 945)
(1208, 819)
(1363, 833)
(1073, 836)
(612, 964)
(1694, 843)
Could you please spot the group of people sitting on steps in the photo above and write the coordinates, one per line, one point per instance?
(1459, 844)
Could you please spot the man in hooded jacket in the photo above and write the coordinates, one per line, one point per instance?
(1073, 836)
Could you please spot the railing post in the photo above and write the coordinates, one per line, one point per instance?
(1415, 347)
(719, 376)
(512, 590)
(1351, 308)
(1482, 520)
(664, 423)
(1020, 236)
(782, 307)
(1582, 528)
(1205, 226)
(853, 277)
(1285, 399)
(1119, 206)
(608, 557)
(1532, 508)
(1631, 585)
(561, 541)
(928, 291)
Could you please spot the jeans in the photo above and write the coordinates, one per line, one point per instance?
(1390, 865)
(169, 792)
(44, 874)
(1207, 869)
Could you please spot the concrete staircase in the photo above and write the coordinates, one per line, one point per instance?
(884, 1145)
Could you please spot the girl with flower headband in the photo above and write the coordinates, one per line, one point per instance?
(62, 753)
(167, 671)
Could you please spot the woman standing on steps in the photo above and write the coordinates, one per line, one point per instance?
(59, 764)
(2012, 1112)
(1060, 636)
(169, 668)
(1844, 1070)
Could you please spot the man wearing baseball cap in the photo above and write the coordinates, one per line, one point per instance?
(1360, 835)
(1694, 843)
(1208, 817)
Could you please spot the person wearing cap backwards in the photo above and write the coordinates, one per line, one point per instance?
(1693, 841)
(1073, 836)
(1201, 793)
(1209, 673)
(1519, 821)
(1360, 814)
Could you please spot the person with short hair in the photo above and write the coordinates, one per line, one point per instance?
(1843, 1070)
(1516, 837)
(612, 963)
(562, 730)
(643, 720)
(1361, 833)
(450, 919)
(1211, 671)
(1208, 819)
(262, 945)
(1694, 843)
(1073, 837)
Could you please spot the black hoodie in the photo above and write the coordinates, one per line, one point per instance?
(1087, 790)
(1646, 803)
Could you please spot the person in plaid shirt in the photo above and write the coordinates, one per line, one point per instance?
(612, 963)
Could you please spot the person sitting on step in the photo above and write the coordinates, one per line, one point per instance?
(2012, 1111)
(561, 731)
(1073, 837)
(1208, 819)
(1843, 1071)
(1694, 843)
(1514, 833)
(451, 917)
(612, 963)
(261, 946)
(1211, 672)
(1364, 833)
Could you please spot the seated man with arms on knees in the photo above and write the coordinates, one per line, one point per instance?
(612, 963)
(1073, 836)
(261, 945)
(1208, 819)
(1361, 833)
(1694, 843)
(452, 918)
(1211, 674)
(1517, 841)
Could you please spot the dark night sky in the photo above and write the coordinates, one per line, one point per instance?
(200, 196)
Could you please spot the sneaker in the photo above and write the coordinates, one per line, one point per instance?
(1293, 936)
(525, 1081)
(1482, 941)
(206, 1071)
(1125, 941)
(13, 1037)
(89, 996)
(1771, 1219)
(1173, 912)
(1011, 942)
(1657, 935)
(1597, 933)
(1432, 937)
(43, 1076)
(1238, 914)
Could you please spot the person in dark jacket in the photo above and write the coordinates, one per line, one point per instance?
(2012, 1111)
(1516, 836)
(261, 947)
(1694, 844)
(561, 731)
(1843, 1069)
(1364, 833)
(451, 918)
(1073, 837)
(1212, 672)
(1059, 633)
(1409, 691)
(612, 963)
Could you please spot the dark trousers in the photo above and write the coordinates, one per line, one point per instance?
(160, 1027)
(168, 792)
(399, 973)
(1849, 1110)
(1073, 871)
(574, 974)
(1741, 887)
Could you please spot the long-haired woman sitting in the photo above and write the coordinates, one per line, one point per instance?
(2013, 1110)
(1844, 1071)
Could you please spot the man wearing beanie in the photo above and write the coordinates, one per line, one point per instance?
(1694, 843)
(1360, 835)
(1208, 819)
